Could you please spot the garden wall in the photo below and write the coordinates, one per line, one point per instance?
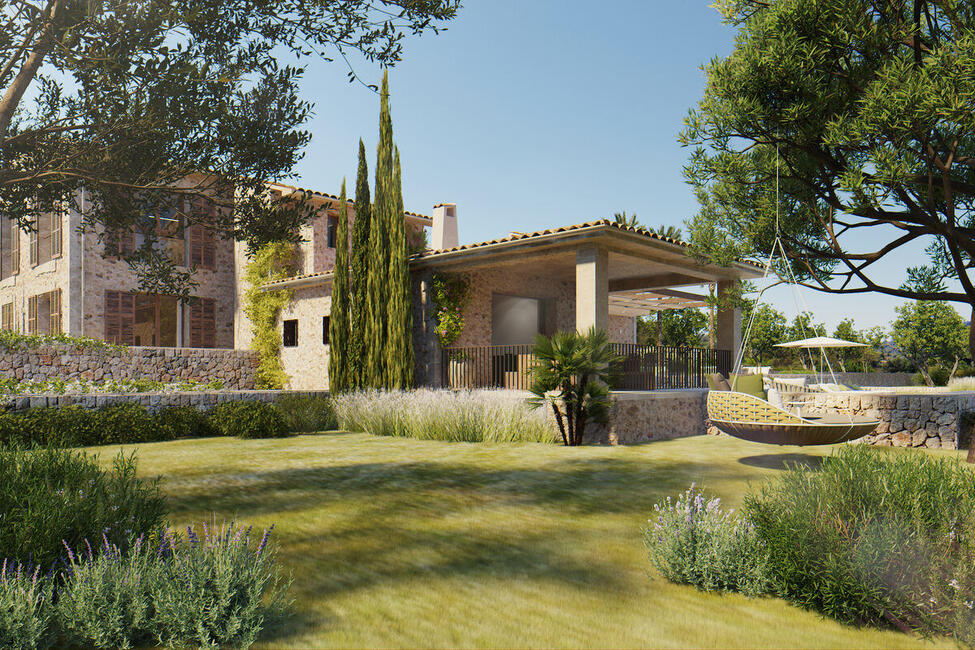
(935, 421)
(200, 399)
(641, 416)
(872, 379)
(235, 368)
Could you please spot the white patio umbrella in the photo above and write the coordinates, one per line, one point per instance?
(821, 342)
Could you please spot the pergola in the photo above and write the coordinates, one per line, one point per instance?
(615, 269)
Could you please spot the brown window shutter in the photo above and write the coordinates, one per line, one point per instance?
(15, 246)
(55, 315)
(33, 243)
(56, 219)
(32, 315)
(203, 323)
(119, 317)
(7, 317)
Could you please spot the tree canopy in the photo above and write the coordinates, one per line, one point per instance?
(863, 112)
(147, 104)
(929, 332)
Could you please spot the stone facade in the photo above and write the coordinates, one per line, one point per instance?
(202, 400)
(307, 363)
(235, 368)
(659, 415)
(934, 421)
(559, 295)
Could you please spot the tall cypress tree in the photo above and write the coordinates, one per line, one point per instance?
(400, 340)
(338, 324)
(360, 272)
(376, 370)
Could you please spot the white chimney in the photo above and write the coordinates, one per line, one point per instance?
(444, 226)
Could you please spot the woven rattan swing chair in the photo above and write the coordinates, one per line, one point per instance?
(752, 418)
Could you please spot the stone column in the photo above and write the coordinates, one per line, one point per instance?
(728, 324)
(592, 288)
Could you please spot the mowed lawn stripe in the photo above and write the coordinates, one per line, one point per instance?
(405, 543)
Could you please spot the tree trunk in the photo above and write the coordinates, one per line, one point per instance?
(971, 335)
(923, 369)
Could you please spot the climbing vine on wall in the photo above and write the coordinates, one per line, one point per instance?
(451, 292)
(274, 261)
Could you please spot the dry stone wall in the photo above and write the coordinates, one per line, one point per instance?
(201, 400)
(641, 416)
(235, 368)
(934, 421)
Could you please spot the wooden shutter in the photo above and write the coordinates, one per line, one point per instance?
(203, 238)
(33, 242)
(54, 322)
(7, 317)
(119, 317)
(14, 246)
(203, 323)
(56, 217)
(32, 315)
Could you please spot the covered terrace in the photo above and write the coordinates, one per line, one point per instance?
(599, 274)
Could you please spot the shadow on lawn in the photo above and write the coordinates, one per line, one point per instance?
(782, 461)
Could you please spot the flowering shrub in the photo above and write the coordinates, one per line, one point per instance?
(874, 537)
(26, 612)
(213, 591)
(10, 386)
(451, 293)
(208, 591)
(52, 496)
(694, 541)
(457, 416)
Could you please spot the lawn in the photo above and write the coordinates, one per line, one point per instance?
(404, 543)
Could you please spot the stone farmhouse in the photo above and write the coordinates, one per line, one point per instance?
(57, 279)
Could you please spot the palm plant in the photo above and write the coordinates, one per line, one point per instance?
(628, 220)
(570, 374)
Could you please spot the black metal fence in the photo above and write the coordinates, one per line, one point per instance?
(642, 367)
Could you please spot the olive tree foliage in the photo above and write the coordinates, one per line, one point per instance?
(144, 106)
(865, 110)
(930, 333)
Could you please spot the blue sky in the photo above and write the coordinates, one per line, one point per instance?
(534, 114)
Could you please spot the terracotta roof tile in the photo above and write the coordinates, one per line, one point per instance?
(332, 196)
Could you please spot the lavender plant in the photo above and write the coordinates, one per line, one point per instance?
(26, 610)
(455, 416)
(213, 590)
(104, 599)
(692, 540)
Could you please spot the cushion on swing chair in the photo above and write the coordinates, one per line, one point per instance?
(716, 381)
(748, 384)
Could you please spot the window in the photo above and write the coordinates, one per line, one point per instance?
(141, 319)
(290, 339)
(120, 242)
(155, 320)
(9, 247)
(203, 323)
(44, 313)
(7, 317)
(331, 232)
(45, 238)
(515, 320)
(203, 239)
(325, 326)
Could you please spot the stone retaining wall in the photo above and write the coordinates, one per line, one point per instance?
(641, 416)
(235, 368)
(935, 421)
(879, 379)
(199, 399)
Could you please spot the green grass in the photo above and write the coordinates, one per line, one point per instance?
(405, 543)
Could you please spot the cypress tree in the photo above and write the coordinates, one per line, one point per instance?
(360, 272)
(400, 341)
(338, 324)
(376, 368)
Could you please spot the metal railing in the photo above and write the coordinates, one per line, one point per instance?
(641, 367)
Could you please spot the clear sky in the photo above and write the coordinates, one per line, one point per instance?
(535, 114)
